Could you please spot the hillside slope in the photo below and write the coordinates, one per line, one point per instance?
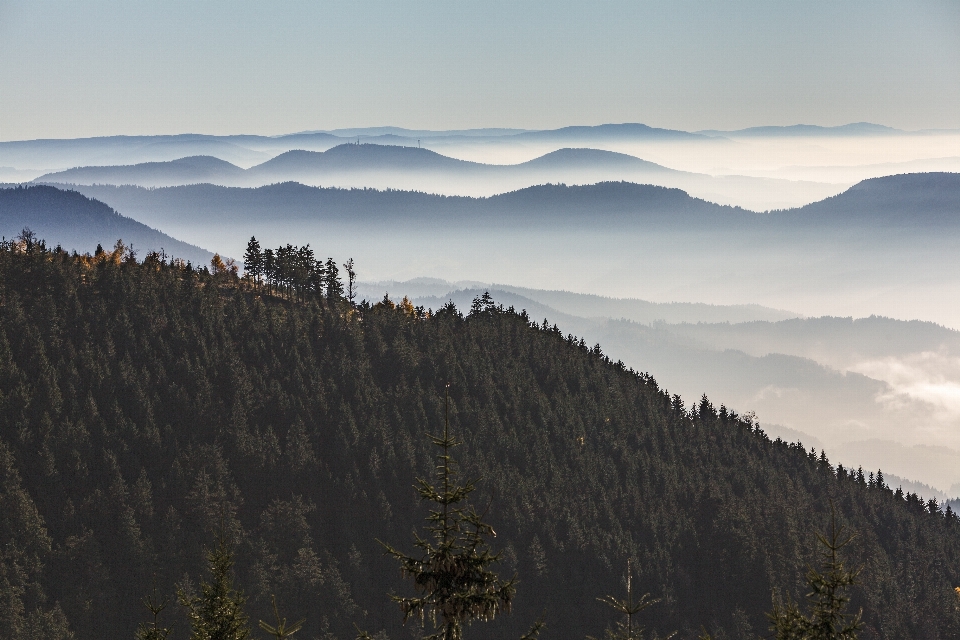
(79, 223)
(143, 404)
(905, 200)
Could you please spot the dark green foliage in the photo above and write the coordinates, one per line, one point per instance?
(216, 613)
(628, 630)
(295, 272)
(828, 619)
(253, 260)
(139, 402)
(452, 572)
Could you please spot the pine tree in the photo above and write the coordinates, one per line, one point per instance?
(253, 260)
(280, 631)
(828, 619)
(216, 613)
(351, 280)
(627, 630)
(153, 630)
(334, 288)
(453, 571)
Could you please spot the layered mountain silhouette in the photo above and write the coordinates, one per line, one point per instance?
(181, 171)
(385, 166)
(79, 223)
(908, 201)
(250, 149)
(626, 131)
(590, 206)
(808, 130)
(314, 167)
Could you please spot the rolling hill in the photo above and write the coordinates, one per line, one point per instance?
(370, 160)
(79, 223)
(904, 200)
(396, 166)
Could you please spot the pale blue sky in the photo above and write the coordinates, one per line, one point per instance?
(79, 68)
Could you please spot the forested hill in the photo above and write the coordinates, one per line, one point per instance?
(81, 223)
(141, 404)
(906, 200)
(590, 205)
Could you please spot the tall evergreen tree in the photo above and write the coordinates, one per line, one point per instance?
(216, 613)
(334, 287)
(351, 280)
(253, 260)
(453, 571)
(828, 619)
(627, 629)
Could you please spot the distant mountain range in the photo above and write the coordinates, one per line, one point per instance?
(588, 206)
(311, 167)
(412, 168)
(807, 130)
(247, 150)
(76, 222)
(911, 201)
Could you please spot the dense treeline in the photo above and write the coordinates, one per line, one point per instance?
(296, 271)
(142, 403)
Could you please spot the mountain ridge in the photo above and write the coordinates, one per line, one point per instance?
(80, 223)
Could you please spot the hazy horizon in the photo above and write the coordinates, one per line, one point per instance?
(241, 67)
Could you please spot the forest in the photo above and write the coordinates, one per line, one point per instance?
(148, 406)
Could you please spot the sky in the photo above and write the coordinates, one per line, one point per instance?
(76, 69)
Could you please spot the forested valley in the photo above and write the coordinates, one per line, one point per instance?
(148, 406)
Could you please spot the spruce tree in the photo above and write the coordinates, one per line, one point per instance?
(452, 573)
(253, 260)
(216, 613)
(334, 288)
(281, 630)
(627, 629)
(153, 630)
(828, 619)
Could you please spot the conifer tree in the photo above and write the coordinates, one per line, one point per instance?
(280, 631)
(253, 260)
(626, 629)
(334, 288)
(216, 613)
(351, 280)
(153, 630)
(828, 619)
(452, 573)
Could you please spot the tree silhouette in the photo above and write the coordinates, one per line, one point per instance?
(628, 607)
(153, 630)
(828, 619)
(452, 574)
(280, 631)
(253, 260)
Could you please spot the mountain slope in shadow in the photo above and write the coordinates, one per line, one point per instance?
(76, 222)
(905, 199)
